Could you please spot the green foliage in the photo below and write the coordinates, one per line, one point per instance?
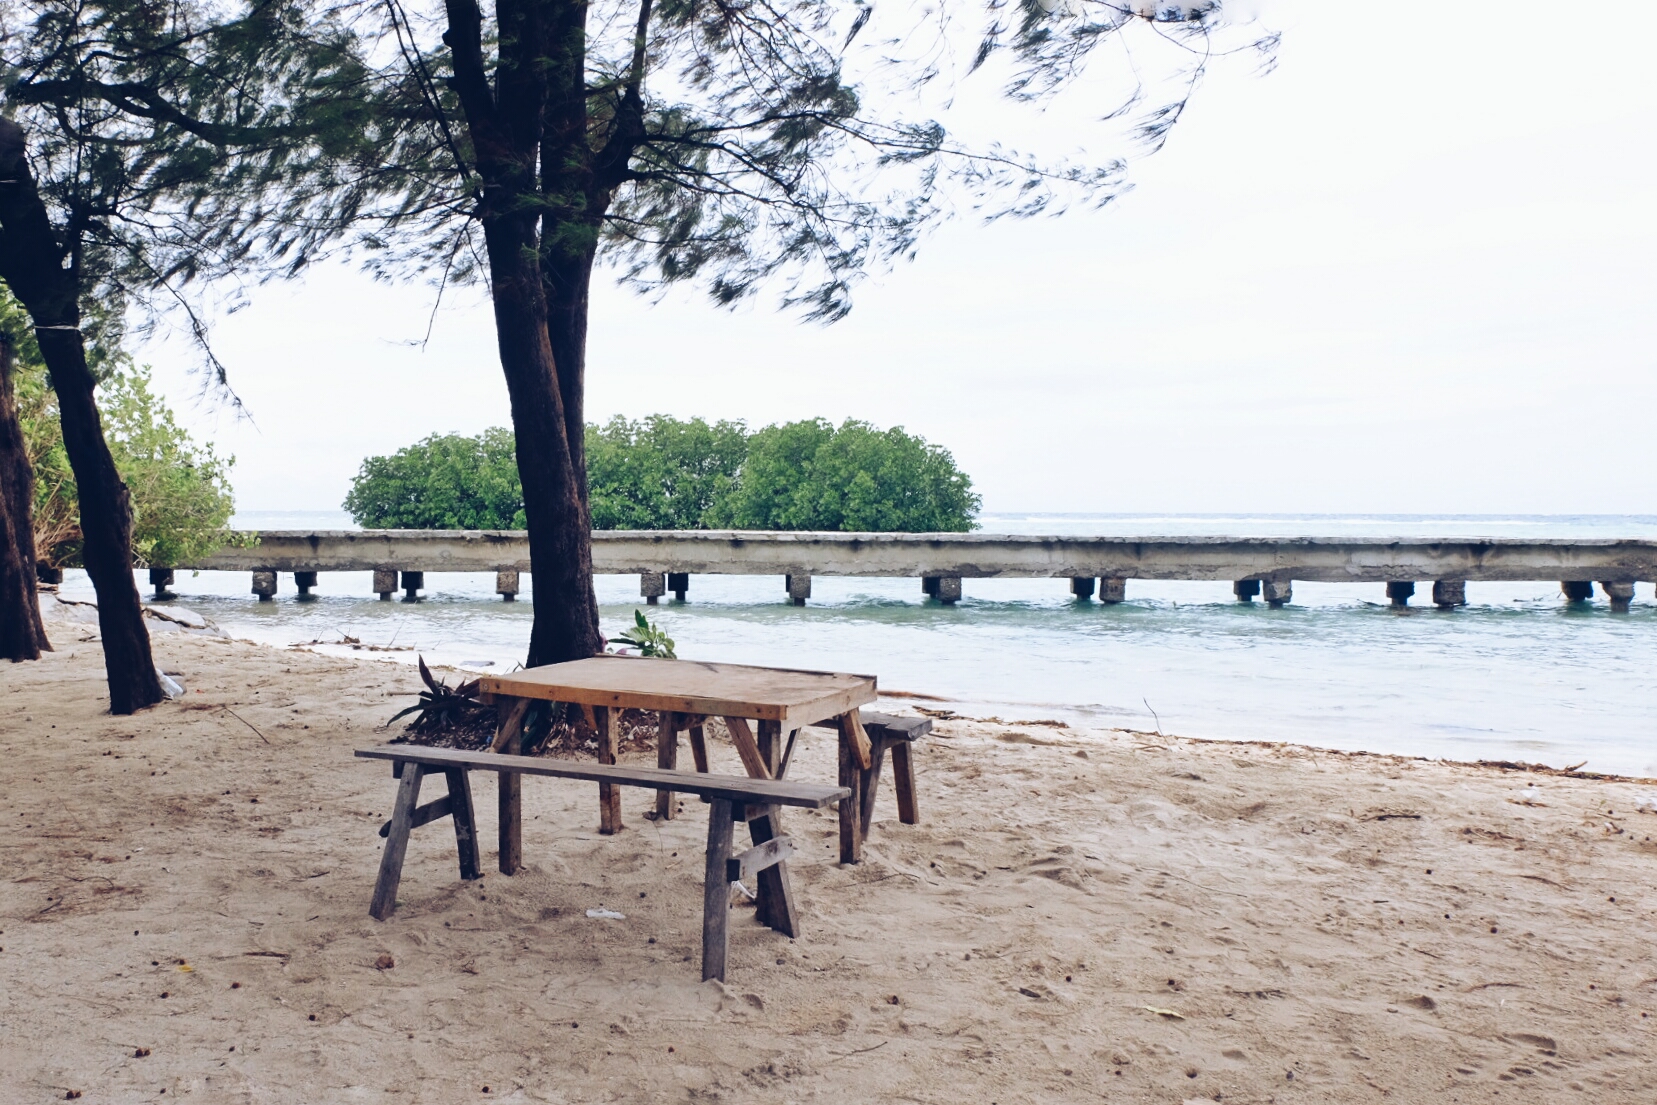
(649, 638)
(661, 473)
(181, 496)
(812, 476)
(446, 481)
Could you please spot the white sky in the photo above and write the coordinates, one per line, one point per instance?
(1410, 271)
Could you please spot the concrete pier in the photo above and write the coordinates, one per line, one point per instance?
(1399, 592)
(264, 585)
(1620, 594)
(1082, 588)
(506, 584)
(652, 586)
(1449, 593)
(413, 584)
(303, 582)
(678, 583)
(162, 579)
(942, 560)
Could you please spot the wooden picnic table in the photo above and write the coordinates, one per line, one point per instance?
(685, 693)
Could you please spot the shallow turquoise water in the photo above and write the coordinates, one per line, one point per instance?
(1517, 674)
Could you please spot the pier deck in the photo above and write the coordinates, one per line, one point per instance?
(664, 560)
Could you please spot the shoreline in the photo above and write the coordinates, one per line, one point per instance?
(1079, 915)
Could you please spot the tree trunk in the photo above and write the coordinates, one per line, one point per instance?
(555, 503)
(22, 636)
(31, 263)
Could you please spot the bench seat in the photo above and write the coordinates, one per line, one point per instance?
(731, 798)
(898, 734)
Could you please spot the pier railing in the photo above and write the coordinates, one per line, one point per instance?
(665, 560)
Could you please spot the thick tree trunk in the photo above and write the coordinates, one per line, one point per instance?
(31, 265)
(22, 637)
(555, 500)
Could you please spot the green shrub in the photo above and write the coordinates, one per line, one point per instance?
(663, 473)
(181, 495)
(813, 476)
(446, 481)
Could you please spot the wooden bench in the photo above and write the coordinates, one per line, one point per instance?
(885, 731)
(731, 799)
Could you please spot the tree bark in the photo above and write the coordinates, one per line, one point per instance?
(31, 263)
(505, 118)
(22, 636)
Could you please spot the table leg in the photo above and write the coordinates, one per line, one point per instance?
(609, 795)
(699, 748)
(667, 758)
(774, 906)
(871, 785)
(716, 892)
(853, 762)
(509, 733)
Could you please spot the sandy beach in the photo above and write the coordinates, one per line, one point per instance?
(1081, 916)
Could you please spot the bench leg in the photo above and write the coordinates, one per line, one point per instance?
(466, 825)
(699, 748)
(851, 817)
(775, 907)
(903, 779)
(871, 784)
(396, 845)
(667, 758)
(609, 795)
(511, 822)
(716, 892)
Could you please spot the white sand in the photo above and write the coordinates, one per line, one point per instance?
(1081, 916)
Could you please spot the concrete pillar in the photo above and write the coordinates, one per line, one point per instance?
(678, 583)
(799, 587)
(1577, 590)
(1246, 589)
(413, 582)
(1620, 594)
(1113, 590)
(506, 584)
(1399, 592)
(161, 579)
(1449, 593)
(304, 581)
(1277, 591)
(652, 586)
(929, 586)
(264, 585)
(385, 583)
(949, 589)
(1082, 586)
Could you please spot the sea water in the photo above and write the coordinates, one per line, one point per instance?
(1517, 674)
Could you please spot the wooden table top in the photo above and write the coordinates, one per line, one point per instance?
(794, 698)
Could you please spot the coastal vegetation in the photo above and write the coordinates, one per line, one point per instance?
(180, 489)
(666, 473)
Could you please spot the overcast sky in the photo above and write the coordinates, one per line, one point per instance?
(1411, 270)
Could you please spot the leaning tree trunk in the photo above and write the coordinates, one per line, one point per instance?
(22, 636)
(31, 263)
